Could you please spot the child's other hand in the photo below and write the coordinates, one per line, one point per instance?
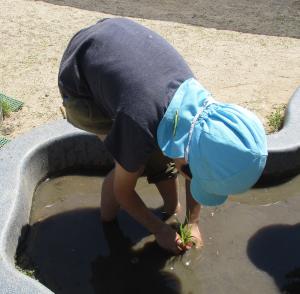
(168, 239)
(197, 238)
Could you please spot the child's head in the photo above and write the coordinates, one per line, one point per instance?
(224, 144)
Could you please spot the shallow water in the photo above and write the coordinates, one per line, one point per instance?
(74, 253)
(270, 195)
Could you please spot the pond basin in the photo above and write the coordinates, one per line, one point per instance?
(251, 243)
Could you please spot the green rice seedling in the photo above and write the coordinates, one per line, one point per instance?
(185, 233)
(275, 119)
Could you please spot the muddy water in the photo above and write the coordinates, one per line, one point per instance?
(73, 252)
(270, 195)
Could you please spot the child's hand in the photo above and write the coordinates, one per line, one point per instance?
(197, 238)
(190, 236)
(168, 239)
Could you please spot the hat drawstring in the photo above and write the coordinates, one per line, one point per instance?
(208, 101)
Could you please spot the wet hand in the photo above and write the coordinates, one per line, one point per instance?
(168, 239)
(196, 239)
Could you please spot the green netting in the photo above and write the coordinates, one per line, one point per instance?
(14, 104)
(3, 141)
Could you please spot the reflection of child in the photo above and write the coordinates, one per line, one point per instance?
(120, 78)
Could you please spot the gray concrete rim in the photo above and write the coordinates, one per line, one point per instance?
(284, 146)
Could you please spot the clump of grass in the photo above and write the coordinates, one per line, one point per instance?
(275, 119)
(5, 108)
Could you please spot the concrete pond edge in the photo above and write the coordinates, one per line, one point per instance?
(284, 146)
(57, 147)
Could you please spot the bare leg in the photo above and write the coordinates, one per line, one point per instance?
(169, 190)
(193, 214)
(109, 205)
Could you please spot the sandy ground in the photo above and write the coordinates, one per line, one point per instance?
(246, 52)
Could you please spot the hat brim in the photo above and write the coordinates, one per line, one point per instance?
(205, 198)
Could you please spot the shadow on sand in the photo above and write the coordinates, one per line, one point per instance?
(276, 250)
(73, 252)
(269, 17)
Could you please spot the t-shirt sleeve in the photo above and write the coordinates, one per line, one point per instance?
(128, 143)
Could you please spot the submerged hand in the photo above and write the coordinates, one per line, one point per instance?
(167, 238)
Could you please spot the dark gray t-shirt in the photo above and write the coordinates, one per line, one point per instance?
(131, 73)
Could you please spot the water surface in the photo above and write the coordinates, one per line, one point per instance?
(73, 252)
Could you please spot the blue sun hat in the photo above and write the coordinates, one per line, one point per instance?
(224, 144)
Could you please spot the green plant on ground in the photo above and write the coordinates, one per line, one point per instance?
(275, 119)
(5, 108)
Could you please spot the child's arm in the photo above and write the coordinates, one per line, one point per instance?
(124, 190)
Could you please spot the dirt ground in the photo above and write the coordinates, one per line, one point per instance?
(246, 52)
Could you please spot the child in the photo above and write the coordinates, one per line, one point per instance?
(122, 79)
